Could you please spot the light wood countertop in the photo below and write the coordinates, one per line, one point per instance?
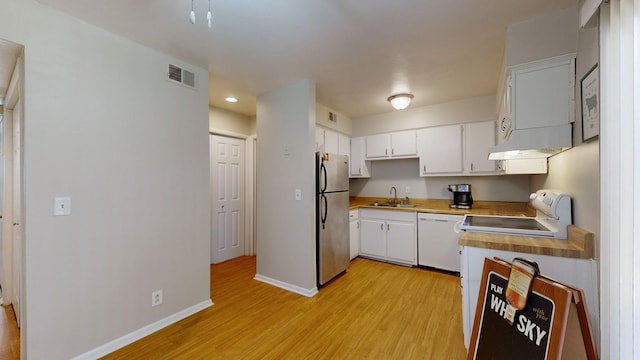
(441, 206)
(579, 245)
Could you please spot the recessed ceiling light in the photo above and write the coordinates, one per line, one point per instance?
(231, 99)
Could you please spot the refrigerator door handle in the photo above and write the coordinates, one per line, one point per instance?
(323, 209)
(323, 171)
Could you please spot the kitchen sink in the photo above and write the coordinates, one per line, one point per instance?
(405, 205)
(393, 205)
(382, 204)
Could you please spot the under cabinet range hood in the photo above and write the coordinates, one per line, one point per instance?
(533, 143)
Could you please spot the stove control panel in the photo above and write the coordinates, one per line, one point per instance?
(553, 203)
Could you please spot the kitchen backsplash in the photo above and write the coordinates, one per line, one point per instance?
(404, 173)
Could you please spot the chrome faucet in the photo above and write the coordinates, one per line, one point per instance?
(395, 194)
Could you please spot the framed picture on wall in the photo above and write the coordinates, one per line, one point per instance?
(590, 96)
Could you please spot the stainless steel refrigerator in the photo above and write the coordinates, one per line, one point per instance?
(332, 215)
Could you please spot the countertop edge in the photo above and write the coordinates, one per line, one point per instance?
(579, 245)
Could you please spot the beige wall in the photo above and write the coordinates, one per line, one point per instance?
(455, 112)
(103, 126)
(343, 123)
(403, 173)
(229, 121)
(286, 227)
(577, 171)
(542, 37)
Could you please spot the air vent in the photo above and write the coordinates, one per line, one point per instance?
(333, 117)
(181, 76)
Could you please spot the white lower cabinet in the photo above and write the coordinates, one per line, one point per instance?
(581, 273)
(373, 238)
(389, 235)
(354, 234)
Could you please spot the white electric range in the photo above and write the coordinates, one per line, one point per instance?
(553, 215)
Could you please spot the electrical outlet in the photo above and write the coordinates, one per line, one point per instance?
(156, 298)
(407, 190)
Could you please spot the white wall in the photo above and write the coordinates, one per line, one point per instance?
(402, 173)
(285, 162)
(131, 149)
(229, 121)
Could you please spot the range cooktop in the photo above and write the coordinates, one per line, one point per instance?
(506, 225)
(553, 215)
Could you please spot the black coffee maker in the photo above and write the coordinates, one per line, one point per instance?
(462, 198)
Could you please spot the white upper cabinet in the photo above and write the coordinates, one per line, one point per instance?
(440, 150)
(332, 142)
(344, 145)
(457, 150)
(404, 143)
(319, 139)
(377, 146)
(479, 138)
(401, 144)
(542, 94)
(358, 166)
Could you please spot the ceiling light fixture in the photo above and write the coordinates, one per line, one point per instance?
(400, 101)
(231, 99)
(192, 15)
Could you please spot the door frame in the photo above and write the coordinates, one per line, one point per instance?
(249, 186)
(13, 262)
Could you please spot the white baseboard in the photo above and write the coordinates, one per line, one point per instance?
(283, 285)
(142, 332)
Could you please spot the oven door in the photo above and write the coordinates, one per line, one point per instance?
(512, 225)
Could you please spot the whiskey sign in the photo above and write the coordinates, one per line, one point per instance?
(544, 328)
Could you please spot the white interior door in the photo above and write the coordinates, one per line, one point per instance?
(227, 187)
(17, 208)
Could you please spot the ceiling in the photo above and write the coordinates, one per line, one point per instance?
(359, 52)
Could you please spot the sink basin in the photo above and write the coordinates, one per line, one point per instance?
(382, 204)
(405, 205)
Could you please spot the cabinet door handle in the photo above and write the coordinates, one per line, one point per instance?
(385, 151)
(387, 227)
(471, 166)
(358, 225)
(359, 171)
(424, 168)
(391, 151)
(381, 227)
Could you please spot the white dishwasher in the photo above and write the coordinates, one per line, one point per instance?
(437, 242)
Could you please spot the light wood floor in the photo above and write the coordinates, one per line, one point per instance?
(9, 335)
(374, 311)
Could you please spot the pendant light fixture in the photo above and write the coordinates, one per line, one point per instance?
(209, 16)
(400, 101)
(192, 15)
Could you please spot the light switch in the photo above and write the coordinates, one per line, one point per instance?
(62, 206)
(298, 194)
